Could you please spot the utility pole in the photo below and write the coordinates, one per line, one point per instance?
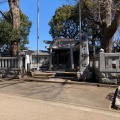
(38, 31)
(79, 34)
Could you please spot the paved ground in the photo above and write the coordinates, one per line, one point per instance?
(100, 97)
(22, 108)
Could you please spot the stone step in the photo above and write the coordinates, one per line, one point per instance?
(39, 74)
(42, 75)
(65, 74)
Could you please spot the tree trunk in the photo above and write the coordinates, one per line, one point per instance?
(15, 12)
(106, 41)
(108, 26)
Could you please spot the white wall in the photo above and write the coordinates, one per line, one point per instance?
(27, 59)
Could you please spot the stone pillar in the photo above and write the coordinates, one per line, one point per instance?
(101, 59)
(50, 59)
(83, 72)
(71, 56)
(20, 62)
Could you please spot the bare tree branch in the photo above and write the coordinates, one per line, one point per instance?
(110, 31)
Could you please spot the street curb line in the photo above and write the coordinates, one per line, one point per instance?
(70, 82)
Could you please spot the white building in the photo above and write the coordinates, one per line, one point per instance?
(30, 59)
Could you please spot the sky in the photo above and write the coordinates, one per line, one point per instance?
(47, 10)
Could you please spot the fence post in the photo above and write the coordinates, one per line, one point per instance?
(20, 62)
(101, 59)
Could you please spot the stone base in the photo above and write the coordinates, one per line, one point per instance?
(110, 78)
(107, 80)
(11, 74)
(78, 75)
(83, 75)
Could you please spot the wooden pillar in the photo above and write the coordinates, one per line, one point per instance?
(25, 62)
(50, 59)
(71, 56)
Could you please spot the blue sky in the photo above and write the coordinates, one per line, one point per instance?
(47, 10)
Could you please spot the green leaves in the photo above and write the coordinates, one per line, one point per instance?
(8, 34)
(89, 3)
(62, 23)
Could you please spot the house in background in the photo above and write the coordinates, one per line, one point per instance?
(30, 57)
(43, 59)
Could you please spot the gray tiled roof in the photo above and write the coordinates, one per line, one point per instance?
(41, 52)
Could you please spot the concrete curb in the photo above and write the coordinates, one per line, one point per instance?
(66, 81)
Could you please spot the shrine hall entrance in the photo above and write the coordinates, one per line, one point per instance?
(61, 58)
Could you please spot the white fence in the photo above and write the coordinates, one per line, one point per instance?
(13, 63)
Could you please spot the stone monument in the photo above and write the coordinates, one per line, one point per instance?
(83, 72)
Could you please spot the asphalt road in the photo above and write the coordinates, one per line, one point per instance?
(14, 107)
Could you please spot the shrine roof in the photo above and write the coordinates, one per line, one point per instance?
(64, 39)
(41, 52)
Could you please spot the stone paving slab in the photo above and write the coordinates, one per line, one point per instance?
(21, 108)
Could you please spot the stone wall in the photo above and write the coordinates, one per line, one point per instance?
(108, 70)
(11, 74)
(11, 67)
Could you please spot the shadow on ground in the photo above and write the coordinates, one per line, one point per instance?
(7, 83)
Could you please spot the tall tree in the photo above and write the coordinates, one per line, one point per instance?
(9, 35)
(107, 25)
(106, 15)
(63, 24)
(15, 13)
